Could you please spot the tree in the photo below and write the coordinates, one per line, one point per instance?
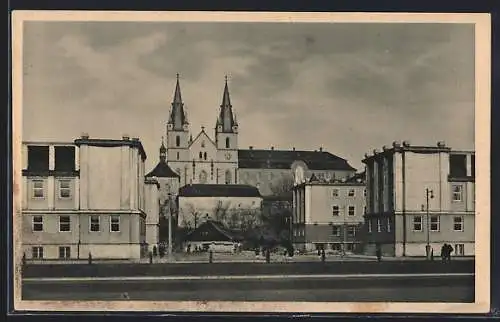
(221, 211)
(282, 186)
(190, 217)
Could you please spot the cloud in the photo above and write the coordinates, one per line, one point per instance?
(347, 87)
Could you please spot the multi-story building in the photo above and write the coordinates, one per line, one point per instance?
(328, 214)
(204, 160)
(85, 197)
(418, 198)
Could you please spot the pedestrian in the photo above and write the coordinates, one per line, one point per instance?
(448, 252)
(443, 252)
(323, 255)
(379, 253)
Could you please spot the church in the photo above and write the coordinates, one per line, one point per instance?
(218, 159)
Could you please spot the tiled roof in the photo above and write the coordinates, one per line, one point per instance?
(218, 190)
(283, 159)
(162, 170)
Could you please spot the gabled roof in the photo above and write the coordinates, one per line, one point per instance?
(218, 190)
(162, 170)
(199, 134)
(283, 159)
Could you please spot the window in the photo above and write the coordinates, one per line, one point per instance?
(177, 155)
(351, 193)
(473, 165)
(64, 158)
(38, 189)
(379, 226)
(202, 144)
(351, 231)
(203, 177)
(64, 189)
(201, 155)
(37, 223)
(351, 211)
(434, 223)
(458, 166)
(364, 209)
(228, 177)
(417, 223)
(388, 225)
(37, 252)
(227, 143)
(64, 223)
(205, 155)
(458, 223)
(369, 225)
(335, 193)
(38, 158)
(459, 249)
(457, 193)
(335, 210)
(364, 192)
(95, 223)
(336, 230)
(177, 141)
(64, 252)
(114, 223)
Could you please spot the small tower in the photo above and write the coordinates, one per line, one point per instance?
(226, 139)
(178, 133)
(163, 152)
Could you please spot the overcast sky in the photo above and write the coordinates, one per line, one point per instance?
(347, 87)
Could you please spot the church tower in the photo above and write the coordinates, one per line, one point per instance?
(226, 140)
(178, 136)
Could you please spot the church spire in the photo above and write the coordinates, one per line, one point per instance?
(178, 117)
(227, 119)
(163, 151)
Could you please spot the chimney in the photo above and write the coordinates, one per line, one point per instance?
(406, 143)
(396, 144)
(85, 136)
(272, 148)
(320, 149)
(250, 147)
(441, 144)
(125, 137)
(385, 148)
(293, 149)
(135, 139)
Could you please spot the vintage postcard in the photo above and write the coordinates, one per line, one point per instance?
(251, 162)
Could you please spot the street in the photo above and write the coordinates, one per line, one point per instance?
(320, 288)
(415, 281)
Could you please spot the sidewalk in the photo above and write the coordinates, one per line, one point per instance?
(245, 257)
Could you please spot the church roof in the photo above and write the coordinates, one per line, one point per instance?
(162, 170)
(177, 116)
(219, 190)
(227, 118)
(283, 159)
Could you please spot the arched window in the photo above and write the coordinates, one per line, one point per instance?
(227, 143)
(203, 177)
(201, 155)
(228, 177)
(177, 141)
(205, 155)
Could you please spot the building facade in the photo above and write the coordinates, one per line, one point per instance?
(328, 214)
(85, 197)
(219, 160)
(400, 180)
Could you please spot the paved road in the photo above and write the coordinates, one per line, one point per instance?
(203, 269)
(320, 288)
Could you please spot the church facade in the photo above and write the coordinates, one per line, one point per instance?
(218, 159)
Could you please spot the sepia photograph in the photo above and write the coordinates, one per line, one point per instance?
(251, 162)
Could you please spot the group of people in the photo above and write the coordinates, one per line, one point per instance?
(446, 251)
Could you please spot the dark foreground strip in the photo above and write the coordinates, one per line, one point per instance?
(202, 269)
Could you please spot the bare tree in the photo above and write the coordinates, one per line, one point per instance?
(221, 211)
(282, 186)
(190, 217)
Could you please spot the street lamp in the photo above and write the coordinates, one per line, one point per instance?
(429, 194)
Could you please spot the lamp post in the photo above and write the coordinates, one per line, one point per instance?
(429, 194)
(169, 209)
